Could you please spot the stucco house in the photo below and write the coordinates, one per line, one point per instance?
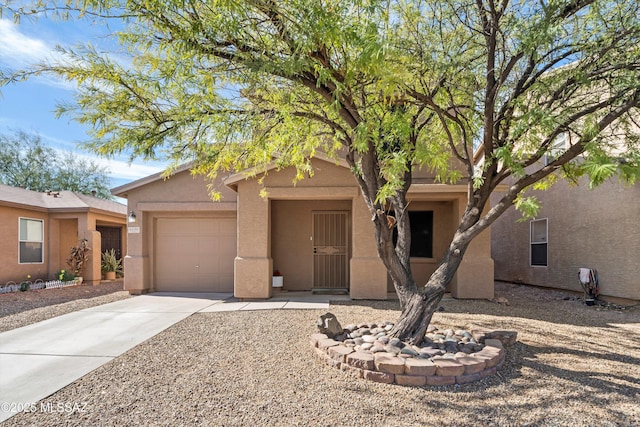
(318, 234)
(39, 229)
(577, 227)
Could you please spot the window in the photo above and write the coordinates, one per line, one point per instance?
(31, 241)
(558, 147)
(539, 234)
(421, 234)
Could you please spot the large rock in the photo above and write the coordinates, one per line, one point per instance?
(480, 334)
(328, 324)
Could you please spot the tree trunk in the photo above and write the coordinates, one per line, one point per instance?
(418, 304)
(422, 303)
(417, 314)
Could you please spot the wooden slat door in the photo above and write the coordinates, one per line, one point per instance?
(111, 238)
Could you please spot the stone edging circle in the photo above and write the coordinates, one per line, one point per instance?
(388, 368)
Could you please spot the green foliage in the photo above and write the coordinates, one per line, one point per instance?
(527, 206)
(64, 275)
(392, 86)
(75, 173)
(25, 285)
(26, 162)
(110, 263)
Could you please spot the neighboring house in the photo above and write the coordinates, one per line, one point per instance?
(39, 229)
(576, 227)
(318, 234)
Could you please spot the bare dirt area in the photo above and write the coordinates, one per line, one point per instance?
(19, 309)
(573, 365)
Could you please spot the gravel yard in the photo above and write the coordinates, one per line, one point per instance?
(19, 309)
(572, 365)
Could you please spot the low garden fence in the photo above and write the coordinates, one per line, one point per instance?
(38, 284)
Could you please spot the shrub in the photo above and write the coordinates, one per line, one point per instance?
(64, 275)
(110, 262)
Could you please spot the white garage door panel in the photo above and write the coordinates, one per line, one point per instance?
(195, 254)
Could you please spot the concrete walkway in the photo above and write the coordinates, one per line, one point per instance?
(38, 360)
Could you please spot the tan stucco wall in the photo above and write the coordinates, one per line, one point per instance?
(292, 247)
(274, 231)
(443, 229)
(332, 186)
(475, 276)
(587, 228)
(182, 195)
(62, 230)
(368, 275)
(424, 174)
(259, 252)
(179, 188)
(325, 174)
(68, 232)
(253, 266)
(10, 270)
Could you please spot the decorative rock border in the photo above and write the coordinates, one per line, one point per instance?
(383, 367)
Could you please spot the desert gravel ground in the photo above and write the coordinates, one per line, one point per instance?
(573, 365)
(24, 308)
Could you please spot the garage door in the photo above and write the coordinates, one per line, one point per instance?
(195, 254)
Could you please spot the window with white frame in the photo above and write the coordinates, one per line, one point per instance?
(31, 241)
(539, 238)
(558, 147)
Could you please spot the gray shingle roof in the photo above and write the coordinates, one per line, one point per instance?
(60, 201)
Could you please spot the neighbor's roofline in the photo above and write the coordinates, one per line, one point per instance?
(69, 202)
(60, 210)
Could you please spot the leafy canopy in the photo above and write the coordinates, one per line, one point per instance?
(388, 84)
(26, 162)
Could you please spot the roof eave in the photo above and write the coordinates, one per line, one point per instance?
(123, 190)
(24, 206)
(232, 181)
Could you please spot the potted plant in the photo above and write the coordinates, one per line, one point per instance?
(26, 284)
(79, 257)
(277, 280)
(111, 264)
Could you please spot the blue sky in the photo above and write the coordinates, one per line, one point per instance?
(29, 106)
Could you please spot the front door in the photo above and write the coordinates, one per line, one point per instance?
(111, 238)
(330, 250)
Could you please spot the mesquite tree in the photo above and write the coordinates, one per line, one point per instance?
(390, 85)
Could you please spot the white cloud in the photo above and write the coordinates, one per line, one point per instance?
(18, 49)
(122, 170)
(119, 169)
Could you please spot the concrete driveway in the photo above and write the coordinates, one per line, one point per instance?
(40, 359)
